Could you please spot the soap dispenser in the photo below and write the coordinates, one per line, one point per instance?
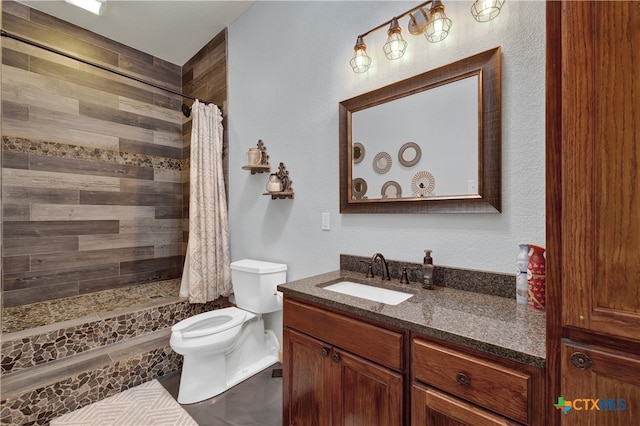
(427, 271)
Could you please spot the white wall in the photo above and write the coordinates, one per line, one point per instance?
(288, 70)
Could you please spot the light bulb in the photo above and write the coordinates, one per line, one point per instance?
(439, 25)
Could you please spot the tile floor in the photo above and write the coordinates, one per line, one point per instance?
(255, 402)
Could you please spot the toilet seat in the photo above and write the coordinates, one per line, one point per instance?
(209, 323)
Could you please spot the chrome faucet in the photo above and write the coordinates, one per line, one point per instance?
(385, 267)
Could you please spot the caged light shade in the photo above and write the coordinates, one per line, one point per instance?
(486, 10)
(395, 46)
(361, 61)
(439, 25)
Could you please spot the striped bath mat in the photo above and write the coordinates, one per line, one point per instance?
(146, 405)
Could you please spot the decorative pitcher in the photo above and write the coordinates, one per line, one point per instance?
(274, 184)
(536, 278)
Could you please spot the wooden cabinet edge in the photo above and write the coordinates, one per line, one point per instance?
(537, 402)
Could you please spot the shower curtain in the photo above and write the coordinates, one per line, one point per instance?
(207, 267)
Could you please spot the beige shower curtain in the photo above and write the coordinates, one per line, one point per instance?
(207, 268)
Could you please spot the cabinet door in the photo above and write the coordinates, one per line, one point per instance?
(433, 408)
(365, 394)
(307, 380)
(600, 166)
(602, 387)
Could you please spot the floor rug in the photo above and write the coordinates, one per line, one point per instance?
(146, 405)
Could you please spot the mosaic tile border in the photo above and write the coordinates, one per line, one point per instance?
(21, 353)
(77, 152)
(39, 406)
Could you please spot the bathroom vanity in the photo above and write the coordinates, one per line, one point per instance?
(441, 357)
(336, 365)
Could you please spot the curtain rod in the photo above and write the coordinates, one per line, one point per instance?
(185, 109)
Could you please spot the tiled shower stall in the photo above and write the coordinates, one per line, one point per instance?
(94, 202)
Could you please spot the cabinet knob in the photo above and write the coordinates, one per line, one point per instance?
(580, 360)
(335, 358)
(463, 379)
(324, 352)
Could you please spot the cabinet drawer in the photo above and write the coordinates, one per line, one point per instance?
(369, 341)
(490, 385)
(431, 407)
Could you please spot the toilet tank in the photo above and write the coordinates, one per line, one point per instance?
(254, 285)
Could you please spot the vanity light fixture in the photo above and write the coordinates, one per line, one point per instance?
(93, 6)
(433, 23)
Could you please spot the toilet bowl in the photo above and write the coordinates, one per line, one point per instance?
(223, 347)
(209, 331)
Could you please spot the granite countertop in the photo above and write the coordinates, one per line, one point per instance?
(491, 324)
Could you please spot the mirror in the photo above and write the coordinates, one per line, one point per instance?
(427, 144)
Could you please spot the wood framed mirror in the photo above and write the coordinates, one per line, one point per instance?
(439, 134)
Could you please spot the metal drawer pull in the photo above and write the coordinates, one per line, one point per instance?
(580, 360)
(463, 379)
(335, 358)
(324, 352)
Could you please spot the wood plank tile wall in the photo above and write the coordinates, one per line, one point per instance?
(204, 76)
(92, 172)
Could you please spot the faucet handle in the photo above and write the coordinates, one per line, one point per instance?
(369, 269)
(404, 279)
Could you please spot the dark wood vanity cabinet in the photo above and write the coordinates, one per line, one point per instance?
(340, 371)
(461, 387)
(593, 211)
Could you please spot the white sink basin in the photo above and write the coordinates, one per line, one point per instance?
(376, 294)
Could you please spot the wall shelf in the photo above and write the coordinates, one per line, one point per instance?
(283, 176)
(280, 195)
(263, 165)
(257, 169)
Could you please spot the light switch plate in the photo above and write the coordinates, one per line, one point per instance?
(326, 221)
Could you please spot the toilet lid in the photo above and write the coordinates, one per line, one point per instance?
(212, 322)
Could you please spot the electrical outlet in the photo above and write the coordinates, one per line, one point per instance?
(326, 221)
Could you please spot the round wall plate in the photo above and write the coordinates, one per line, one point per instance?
(391, 189)
(409, 154)
(358, 188)
(358, 152)
(382, 163)
(423, 183)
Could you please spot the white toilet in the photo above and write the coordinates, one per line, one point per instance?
(223, 347)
